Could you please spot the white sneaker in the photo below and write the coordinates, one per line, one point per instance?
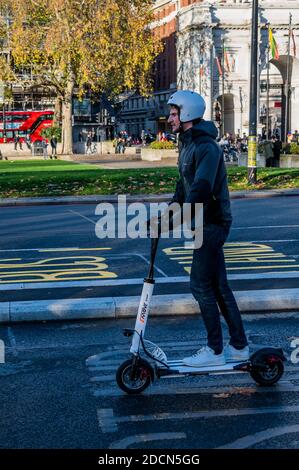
(235, 355)
(205, 357)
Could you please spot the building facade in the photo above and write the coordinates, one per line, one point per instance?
(150, 114)
(212, 41)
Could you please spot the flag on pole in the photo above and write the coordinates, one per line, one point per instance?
(201, 69)
(294, 44)
(273, 45)
(219, 67)
(226, 59)
(233, 64)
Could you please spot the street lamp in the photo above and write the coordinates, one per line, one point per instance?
(241, 110)
(252, 139)
(2, 100)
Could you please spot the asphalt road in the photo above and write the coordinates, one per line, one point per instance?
(51, 252)
(58, 385)
(58, 390)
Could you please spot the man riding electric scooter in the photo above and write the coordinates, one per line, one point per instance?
(203, 180)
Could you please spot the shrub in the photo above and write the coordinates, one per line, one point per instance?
(286, 149)
(294, 148)
(162, 145)
(49, 132)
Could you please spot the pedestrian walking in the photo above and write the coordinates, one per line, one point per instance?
(2, 157)
(277, 146)
(45, 149)
(28, 141)
(17, 140)
(88, 143)
(268, 152)
(53, 143)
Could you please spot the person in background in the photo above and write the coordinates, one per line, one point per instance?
(45, 149)
(277, 146)
(268, 152)
(88, 143)
(28, 141)
(17, 140)
(143, 138)
(2, 157)
(53, 143)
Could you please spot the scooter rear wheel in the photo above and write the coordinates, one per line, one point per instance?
(143, 376)
(268, 370)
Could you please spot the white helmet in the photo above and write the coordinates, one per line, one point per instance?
(192, 105)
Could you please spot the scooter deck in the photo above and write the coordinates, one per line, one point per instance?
(177, 367)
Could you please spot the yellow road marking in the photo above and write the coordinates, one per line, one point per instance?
(263, 267)
(12, 259)
(69, 276)
(244, 268)
(53, 269)
(46, 250)
(82, 260)
(238, 253)
(241, 258)
(255, 261)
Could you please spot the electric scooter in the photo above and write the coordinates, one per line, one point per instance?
(135, 374)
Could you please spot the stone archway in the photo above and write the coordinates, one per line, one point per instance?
(278, 92)
(229, 112)
(276, 100)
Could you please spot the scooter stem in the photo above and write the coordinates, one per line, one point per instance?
(154, 247)
(145, 300)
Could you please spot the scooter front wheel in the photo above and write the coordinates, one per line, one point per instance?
(267, 370)
(134, 378)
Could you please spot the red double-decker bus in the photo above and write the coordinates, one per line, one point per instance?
(24, 123)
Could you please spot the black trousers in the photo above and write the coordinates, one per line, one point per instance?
(209, 286)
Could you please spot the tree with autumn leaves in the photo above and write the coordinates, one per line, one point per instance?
(105, 46)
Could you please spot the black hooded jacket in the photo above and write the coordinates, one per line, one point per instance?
(203, 177)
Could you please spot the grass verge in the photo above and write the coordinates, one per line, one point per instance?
(60, 178)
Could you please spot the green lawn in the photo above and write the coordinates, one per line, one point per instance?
(53, 178)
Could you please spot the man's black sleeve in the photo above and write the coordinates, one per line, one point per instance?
(179, 195)
(207, 160)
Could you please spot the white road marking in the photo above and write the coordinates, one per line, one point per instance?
(206, 414)
(264, 226)
(156, 267)
(178, 389)
(107, 422)
(139, 281)
(83, 217)
(12, 341)
(251, 439)
(75, 248)
(274, 241)
(240, 380)
(131, 440)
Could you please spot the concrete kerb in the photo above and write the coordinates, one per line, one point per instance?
(96, 199)
(43, 201)
(124, 307)
(4, 312)
(61, 309)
